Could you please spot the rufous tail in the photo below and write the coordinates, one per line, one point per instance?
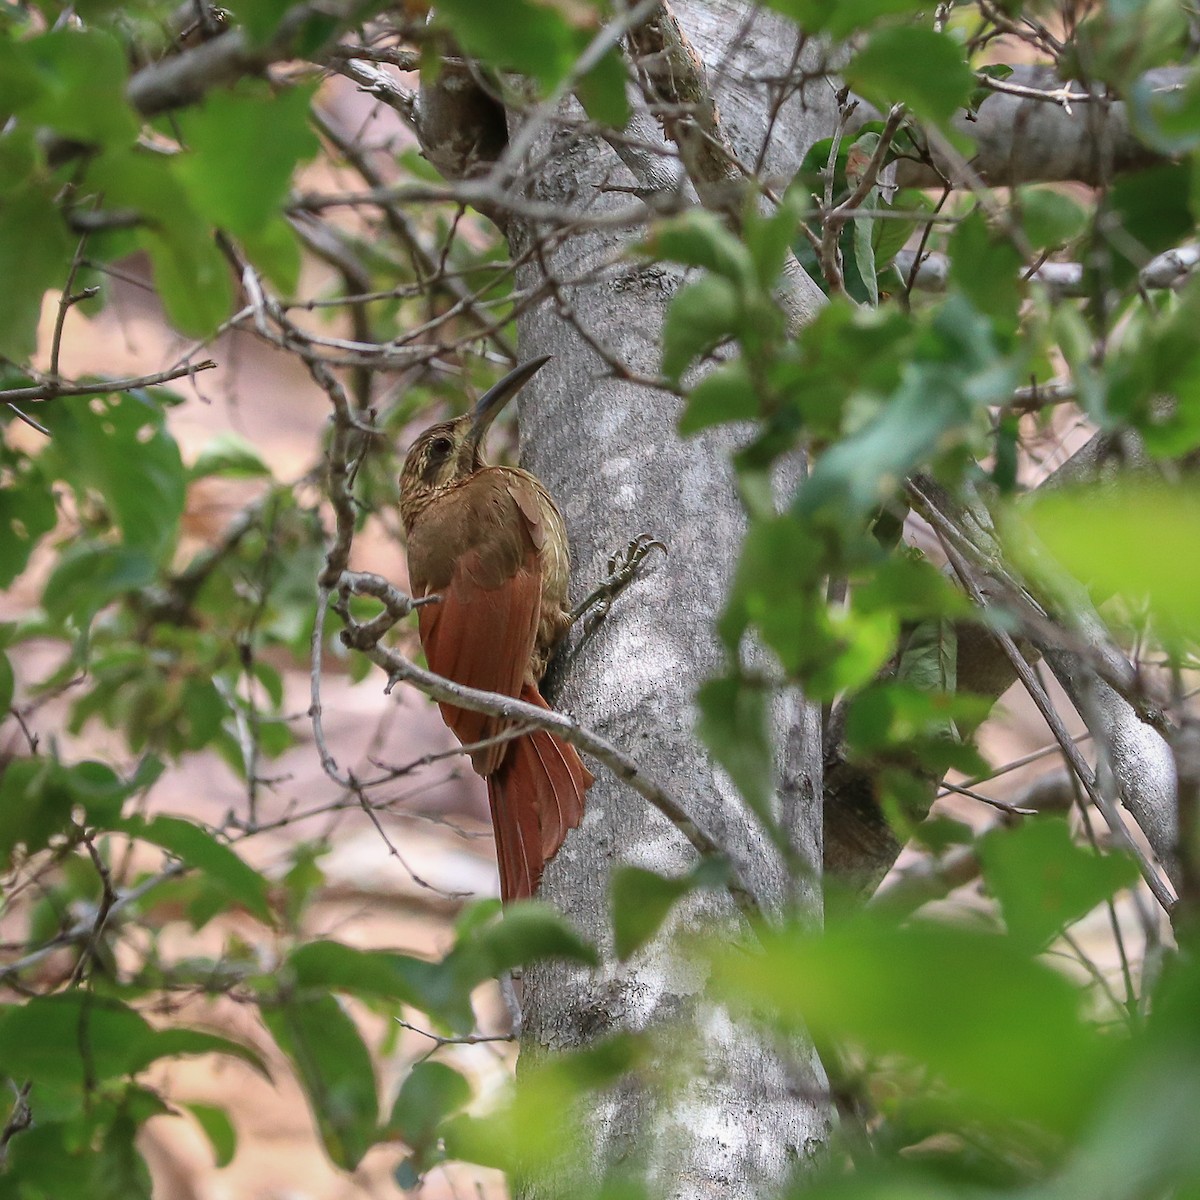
(536, 795)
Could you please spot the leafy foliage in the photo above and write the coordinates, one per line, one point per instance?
(982, 1067)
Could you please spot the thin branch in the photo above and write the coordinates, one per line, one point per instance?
(1158, 886)
(51, 390)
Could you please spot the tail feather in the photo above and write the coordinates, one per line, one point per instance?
(537, 797)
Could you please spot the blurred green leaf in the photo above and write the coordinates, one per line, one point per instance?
(88, 577)
(951, 1001)
(1099, 535)
(1153, 379)
(429, 1095)
(218, 1128)
(79, 91)
(230, 456)
(840, 18)
(200, 849)
(1044, 881)
(35, 254)
(190, 272)
(334, 1068)
(27, 514)
(328, 965)
(539, 1123)
(38, 797)
(955, 369)
(704, 313)
(231, 129)
(525, 933)
(726, 393)
(538, 40)
(1050, 218)
(699, 238)
(908, 724)
(109, 1040)
(986, 267)
(642, 899)
(602, 91)
(118, 446)
(913, 66)
(1144, 213)
(734, 724)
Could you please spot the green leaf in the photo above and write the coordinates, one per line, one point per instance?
(913, 66)
(232, 129)
(334, 966)
(954, 1002)
(119, 446)
(198, 848)
(840, 18)
(1167, 119)
(519, 35)
(82, 75)
(35, 254)
(898, 721)
(769, 237)
(1153, 383)
(954, 369)
(726, 393)
(275, 251)
(1044, 881)
(864, 249)
(89, 576)
(986, 267)
(1152, 208)
(929, 660)
(1099, 535)
(107, 1040)
(334, 1068)
(698, 238)
(218, 1128)
(175, 1041)
(642, 899)
(39, 795)
(27, 514)
(7, 684)
(776, 587)
(734, 724)
(189, 270)
(703, 313)
(260, 18)
(230, 456)
(602, 91)
(430, 1093)
(527, 933)
(1049, 218)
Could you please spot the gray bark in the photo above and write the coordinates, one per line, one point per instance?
(1022, 140)
(609, 452)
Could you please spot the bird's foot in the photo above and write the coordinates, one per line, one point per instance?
(623, 567)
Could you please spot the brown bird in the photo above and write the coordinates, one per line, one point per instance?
(492, 544)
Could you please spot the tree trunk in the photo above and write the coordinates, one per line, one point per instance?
(609, 452)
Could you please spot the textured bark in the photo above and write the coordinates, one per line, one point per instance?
(1021, 140)
(609, 452)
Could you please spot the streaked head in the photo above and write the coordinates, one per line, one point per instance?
(446, 453)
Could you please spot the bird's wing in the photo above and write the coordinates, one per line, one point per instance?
(476, 550)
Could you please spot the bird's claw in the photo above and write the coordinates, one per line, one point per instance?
(623, 566)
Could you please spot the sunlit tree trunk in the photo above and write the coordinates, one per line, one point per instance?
(609, 451)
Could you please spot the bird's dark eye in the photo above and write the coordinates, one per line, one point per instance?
(440, 447)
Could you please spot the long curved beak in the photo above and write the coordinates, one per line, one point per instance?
(496, 397)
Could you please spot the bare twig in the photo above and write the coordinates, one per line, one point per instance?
(51, 391)
(1154, 880)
